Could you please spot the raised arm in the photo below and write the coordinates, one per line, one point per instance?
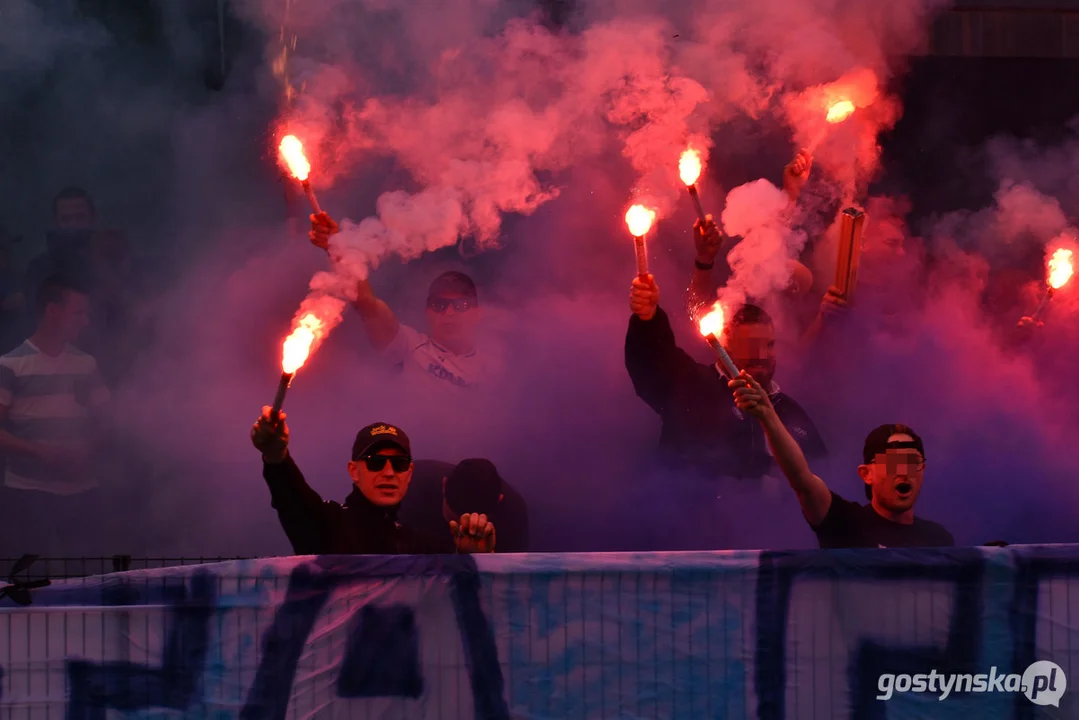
(300, 509)
(379, 321)
(812, 492)
(653, 359)
(708, 240)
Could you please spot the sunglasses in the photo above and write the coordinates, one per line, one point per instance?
(441, 305)
(375, 463)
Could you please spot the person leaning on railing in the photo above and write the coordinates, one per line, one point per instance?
(366, 523)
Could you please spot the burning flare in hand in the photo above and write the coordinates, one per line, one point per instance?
(840, 111)
(711, 326)
(689, 166)
(1060, 268)
(639, 220)
(712, 323)
(291, 150)
(297, 346)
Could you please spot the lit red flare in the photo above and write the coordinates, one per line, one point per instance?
(712, 323)
(639, 220)
(689, 166)
(840, 111)
(1060, 268)
(291, 150)
(711, 326)
(297, 346)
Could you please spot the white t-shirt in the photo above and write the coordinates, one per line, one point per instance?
(422, 360)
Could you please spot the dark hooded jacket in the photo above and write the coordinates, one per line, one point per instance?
(318, 527)
(703, 430)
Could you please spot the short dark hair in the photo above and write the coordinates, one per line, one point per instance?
(750, 315)
(452, 283)
(72, 192)
(55, 289)
(474, 486)
(876, 442)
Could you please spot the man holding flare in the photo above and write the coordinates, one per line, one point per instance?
(893, 467)
(366, 523)
(702, 429)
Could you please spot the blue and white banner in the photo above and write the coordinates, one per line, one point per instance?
(968, 633)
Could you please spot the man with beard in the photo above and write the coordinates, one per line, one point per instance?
(893, 467)
(702, 428)
(366, 523)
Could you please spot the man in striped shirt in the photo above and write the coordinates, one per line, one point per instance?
(49, 390)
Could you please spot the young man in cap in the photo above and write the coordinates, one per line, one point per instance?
(447, 353)
(893, 466)
(441, 492)
(366, 524)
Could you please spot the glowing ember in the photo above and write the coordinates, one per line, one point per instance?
(712, 323)
(840, 111)
(298, 344)
(292, 152)
(689, 166)
(639, 219)
(1060, 268)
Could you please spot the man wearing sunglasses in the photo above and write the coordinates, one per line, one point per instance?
(366, 524)
(446, 355)
(893, 466)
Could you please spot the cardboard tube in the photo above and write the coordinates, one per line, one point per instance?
(642, 256)
(852, 222)
(721, 354)
(311, 197)
(696, 198)
(279, 399)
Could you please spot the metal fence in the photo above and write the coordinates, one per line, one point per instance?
(68, 568)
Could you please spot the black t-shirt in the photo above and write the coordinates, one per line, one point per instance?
(422, 509)
(850, 525)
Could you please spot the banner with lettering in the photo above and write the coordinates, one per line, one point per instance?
(967, 633)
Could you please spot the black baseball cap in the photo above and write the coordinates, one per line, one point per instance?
(377, 436)
(474, 486)
(451, 283)
(877, 442)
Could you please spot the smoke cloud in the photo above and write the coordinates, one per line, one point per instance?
(480, 136)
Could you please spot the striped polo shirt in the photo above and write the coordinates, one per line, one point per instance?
(49, 401)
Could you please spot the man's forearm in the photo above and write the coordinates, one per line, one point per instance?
(378, 320)
(700, 289)
(11, 444)
(788, 454)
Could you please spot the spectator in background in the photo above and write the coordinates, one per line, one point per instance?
(702, 429)
(100, 261)
(441, 492)
(447, 355)
(12, 299)
(51, 394)
(893, 467)
(381, 472)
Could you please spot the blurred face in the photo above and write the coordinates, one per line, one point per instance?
(74, 214)
(895, 477)
(382, 477)
(451, 320)
(753, 349)
(69, 317)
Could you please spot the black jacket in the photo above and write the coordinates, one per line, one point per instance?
(702, 428)
(422, 509)
(317, 527)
